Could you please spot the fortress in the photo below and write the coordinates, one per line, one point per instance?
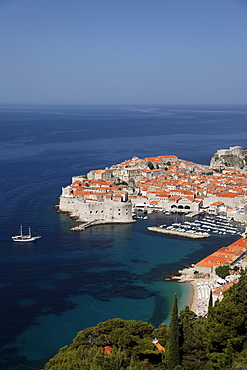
(233, 150)
(234, 157)
(105, 210)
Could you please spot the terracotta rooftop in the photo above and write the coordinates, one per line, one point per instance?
(225, 255)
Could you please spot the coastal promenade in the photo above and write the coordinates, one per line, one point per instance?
(184, 234)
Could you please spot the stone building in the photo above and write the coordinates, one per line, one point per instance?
(89, 209)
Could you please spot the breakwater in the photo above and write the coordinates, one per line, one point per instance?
(85, 225)
(184, 234)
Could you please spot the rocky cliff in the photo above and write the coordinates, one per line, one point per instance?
(235, 157)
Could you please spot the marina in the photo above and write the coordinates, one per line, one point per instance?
(202, 227)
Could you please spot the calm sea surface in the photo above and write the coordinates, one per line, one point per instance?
(68, 281)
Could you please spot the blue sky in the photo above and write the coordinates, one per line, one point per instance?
(123, 51)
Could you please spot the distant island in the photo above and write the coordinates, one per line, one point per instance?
(162, 183)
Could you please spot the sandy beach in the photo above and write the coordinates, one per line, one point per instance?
(192, 302)
(201, 289)
(186, 277)
(194, 297)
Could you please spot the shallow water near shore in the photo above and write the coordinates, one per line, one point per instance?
(68, 280)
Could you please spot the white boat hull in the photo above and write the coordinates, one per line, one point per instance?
(25, 238)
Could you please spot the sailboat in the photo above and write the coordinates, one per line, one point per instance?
(25, 238)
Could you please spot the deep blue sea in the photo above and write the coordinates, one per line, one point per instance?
(67, 281)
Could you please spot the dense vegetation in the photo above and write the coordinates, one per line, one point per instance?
(224, 270)
(218, 342)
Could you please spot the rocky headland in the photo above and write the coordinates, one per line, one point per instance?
(234, 157)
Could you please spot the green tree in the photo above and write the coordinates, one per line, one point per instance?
(225, 332)
(173, 357)
(238, 291)
(223, 271)
(131, 343)
(192, 332)
(150, 165)
(210, 303)
(119, 182)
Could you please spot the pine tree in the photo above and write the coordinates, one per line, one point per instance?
(210, 302)
(173, 358)
(210, 305)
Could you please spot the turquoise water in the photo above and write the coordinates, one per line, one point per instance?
(67, 280)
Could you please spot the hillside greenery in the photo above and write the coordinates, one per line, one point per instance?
(218, 342)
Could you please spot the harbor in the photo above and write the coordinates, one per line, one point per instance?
(203, 227)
